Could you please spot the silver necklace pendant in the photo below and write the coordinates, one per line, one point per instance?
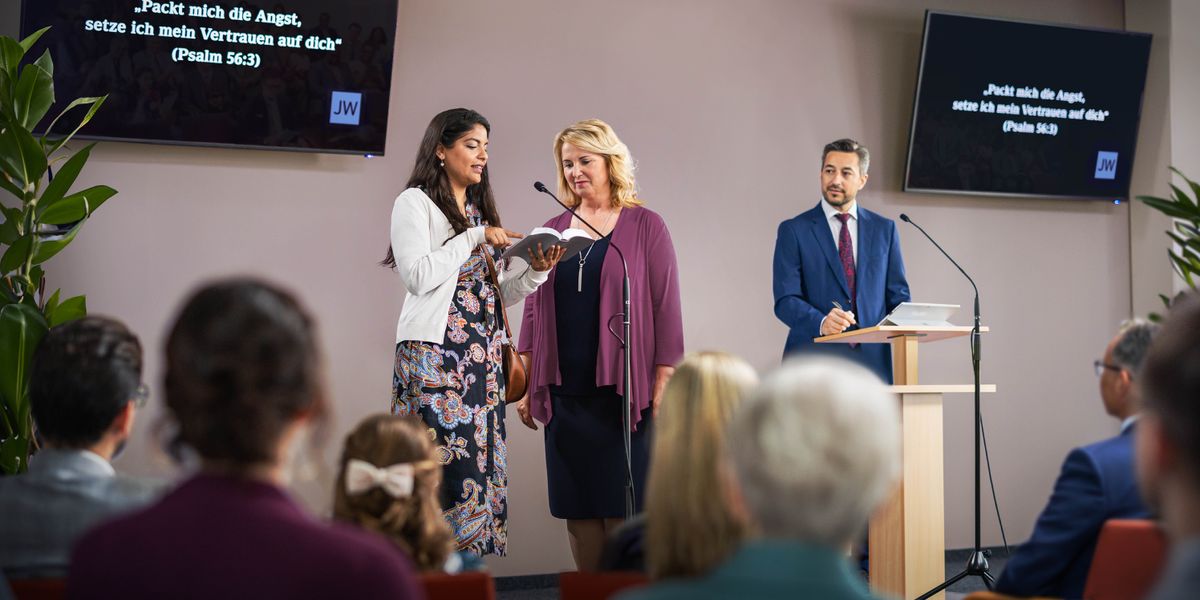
(582, 259)
(583, 256)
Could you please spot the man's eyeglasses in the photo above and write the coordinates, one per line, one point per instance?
(1100, 367)
(141, 396)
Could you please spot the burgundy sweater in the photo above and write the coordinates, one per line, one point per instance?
(221, 537)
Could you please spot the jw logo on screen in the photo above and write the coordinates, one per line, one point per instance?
(345, 108)
(1106, 165)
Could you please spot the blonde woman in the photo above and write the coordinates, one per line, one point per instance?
(388, 483)
(683, 532)
(687, 533)
(576, 365)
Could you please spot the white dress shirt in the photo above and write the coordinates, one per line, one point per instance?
(835, 225)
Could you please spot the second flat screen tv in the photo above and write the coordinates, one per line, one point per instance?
(1015, 108)
(308, 75)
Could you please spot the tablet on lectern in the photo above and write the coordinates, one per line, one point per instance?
(920, 314)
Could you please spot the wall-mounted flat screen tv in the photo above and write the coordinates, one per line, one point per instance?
(1015, 108)
(306, 75)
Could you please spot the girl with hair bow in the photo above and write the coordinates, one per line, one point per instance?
(388, 483)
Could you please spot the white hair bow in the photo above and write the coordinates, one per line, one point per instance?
(396, 480)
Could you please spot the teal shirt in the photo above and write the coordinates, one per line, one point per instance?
(768, 569)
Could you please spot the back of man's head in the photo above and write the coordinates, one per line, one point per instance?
(85, 373)
(1171, 381)
(815, 449)
(1132, 344)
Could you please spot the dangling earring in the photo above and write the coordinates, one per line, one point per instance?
(442, 164)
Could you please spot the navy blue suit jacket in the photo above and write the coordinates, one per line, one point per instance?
(808, 278)
(1097, 483)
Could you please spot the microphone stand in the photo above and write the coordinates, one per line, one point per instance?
(626, 416)
(977, 565)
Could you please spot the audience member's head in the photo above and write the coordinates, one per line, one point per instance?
(1121, 365)
(85, 385)
(813, 451)
(687, 532)
(388, 483)
(1168, 436)
(243, 375)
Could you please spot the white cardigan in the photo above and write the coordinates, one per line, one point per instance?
(428, 258)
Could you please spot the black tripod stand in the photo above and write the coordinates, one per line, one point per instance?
(977, 564)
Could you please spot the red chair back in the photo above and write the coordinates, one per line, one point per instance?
(38, 589)
(1130, 553)
(574, 585)
(463, 586)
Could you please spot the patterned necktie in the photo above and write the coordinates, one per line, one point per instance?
(846, 253)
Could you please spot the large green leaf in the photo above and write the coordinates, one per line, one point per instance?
(32, 39)
(63, 180)
(1182, 199)
(79, 205)
(1192, 184)
(16, 254)
(21, 329)
(21, 156)
(69, 310)
(1167, 207)
(64, 111)
(8, 228)
(46, 62)
(10, 55)
(34, 95)
(46, 249)
(51, 305)
(10, 188)
(5, 97)
(95, 102)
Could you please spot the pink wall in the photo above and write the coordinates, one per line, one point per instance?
(726, 106)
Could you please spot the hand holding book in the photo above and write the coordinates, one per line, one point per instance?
(572, 241)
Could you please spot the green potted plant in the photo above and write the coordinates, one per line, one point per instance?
(1185, 210)
(39, 172)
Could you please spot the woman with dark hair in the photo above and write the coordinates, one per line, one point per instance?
(446, 241)
(243, 381)
(388, 483)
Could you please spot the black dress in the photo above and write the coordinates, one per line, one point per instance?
(585, 449)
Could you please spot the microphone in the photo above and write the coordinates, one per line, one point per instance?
(904, 217)
(541, 187)
(974, 334)
(627, 397)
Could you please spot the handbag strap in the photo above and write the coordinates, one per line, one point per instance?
(487, 255)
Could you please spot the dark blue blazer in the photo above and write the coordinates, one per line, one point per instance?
(1097, 483)
(808, 279)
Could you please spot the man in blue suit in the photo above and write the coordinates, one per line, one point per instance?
(839, 253)
(1097, 483)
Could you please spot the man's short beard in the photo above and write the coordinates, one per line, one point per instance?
(846, 199)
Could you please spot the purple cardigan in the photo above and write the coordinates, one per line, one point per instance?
(657, 320)
(220, 537)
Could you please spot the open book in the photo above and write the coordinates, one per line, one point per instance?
(574, 240)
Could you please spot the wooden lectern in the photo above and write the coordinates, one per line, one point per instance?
(907, 539)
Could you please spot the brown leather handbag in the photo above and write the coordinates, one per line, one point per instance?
(516, 379)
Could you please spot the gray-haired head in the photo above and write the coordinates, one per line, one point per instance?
(1133, 340)
(815, 449)
(849, 145)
